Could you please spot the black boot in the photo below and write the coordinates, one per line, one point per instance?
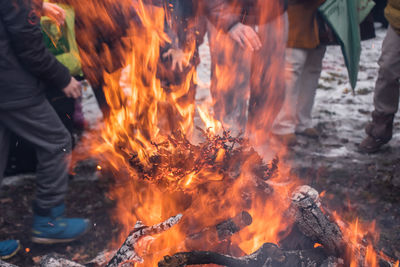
(379, 132)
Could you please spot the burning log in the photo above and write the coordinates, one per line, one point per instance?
(220, 232)
(126, 253)
(268, 255)
(313, 223)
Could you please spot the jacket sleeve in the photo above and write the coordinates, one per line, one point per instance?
(221, 14)
(22, 24)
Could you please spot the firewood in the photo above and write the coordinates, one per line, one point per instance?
(126, 253)
(6, 264)
(268, 255)
(55, 260)
(219, 232)
(313, 223)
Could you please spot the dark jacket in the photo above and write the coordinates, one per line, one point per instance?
(225, 14)
(26, 66)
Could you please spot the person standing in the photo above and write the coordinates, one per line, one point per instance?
(304, 56)
(27, 68)
(247, 43)
(386, 94)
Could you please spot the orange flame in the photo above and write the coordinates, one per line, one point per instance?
(135, 142)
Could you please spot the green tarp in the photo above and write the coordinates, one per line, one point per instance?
(344, 17)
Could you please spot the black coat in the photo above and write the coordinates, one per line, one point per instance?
(26, 66)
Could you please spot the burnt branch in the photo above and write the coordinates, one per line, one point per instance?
(268, 255)
(217, 233)
(127, 253)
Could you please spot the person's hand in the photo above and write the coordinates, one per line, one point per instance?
(73, 89)
(54, 12)
(245, 36)
(179, 58)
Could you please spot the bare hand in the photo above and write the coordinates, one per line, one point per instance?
(73, 89)
(245, 36)
(54, 12)
(179, 58)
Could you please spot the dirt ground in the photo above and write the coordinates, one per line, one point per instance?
(357, 185)
(86, 199)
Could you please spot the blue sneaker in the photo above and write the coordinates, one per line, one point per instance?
(8, 248)
(54, 228)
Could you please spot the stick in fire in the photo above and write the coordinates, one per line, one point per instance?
(127, 253)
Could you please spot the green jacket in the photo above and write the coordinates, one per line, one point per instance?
(392, 14)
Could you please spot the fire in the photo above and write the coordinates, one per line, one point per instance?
(145, 144)
(361, 239)
(316, 245)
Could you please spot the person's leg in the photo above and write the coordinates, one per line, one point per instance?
(267, 79)
(286, 120)
(40, 125)
(308, 86)
(230, 80)
(386, 95)
(8, 248)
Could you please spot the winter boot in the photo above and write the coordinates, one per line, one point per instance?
(379, 132)
(51, 227)
(8, 249)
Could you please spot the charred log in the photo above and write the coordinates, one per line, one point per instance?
(220, 232)
(126, 253)
(268, 255)
(313, 223)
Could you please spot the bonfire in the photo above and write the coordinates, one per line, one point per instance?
(213, 201)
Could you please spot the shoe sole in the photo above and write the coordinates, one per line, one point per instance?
(49, 241)
(12, 254)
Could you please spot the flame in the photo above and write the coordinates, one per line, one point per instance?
(361, 239)
(317, 245)
(145, 141)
